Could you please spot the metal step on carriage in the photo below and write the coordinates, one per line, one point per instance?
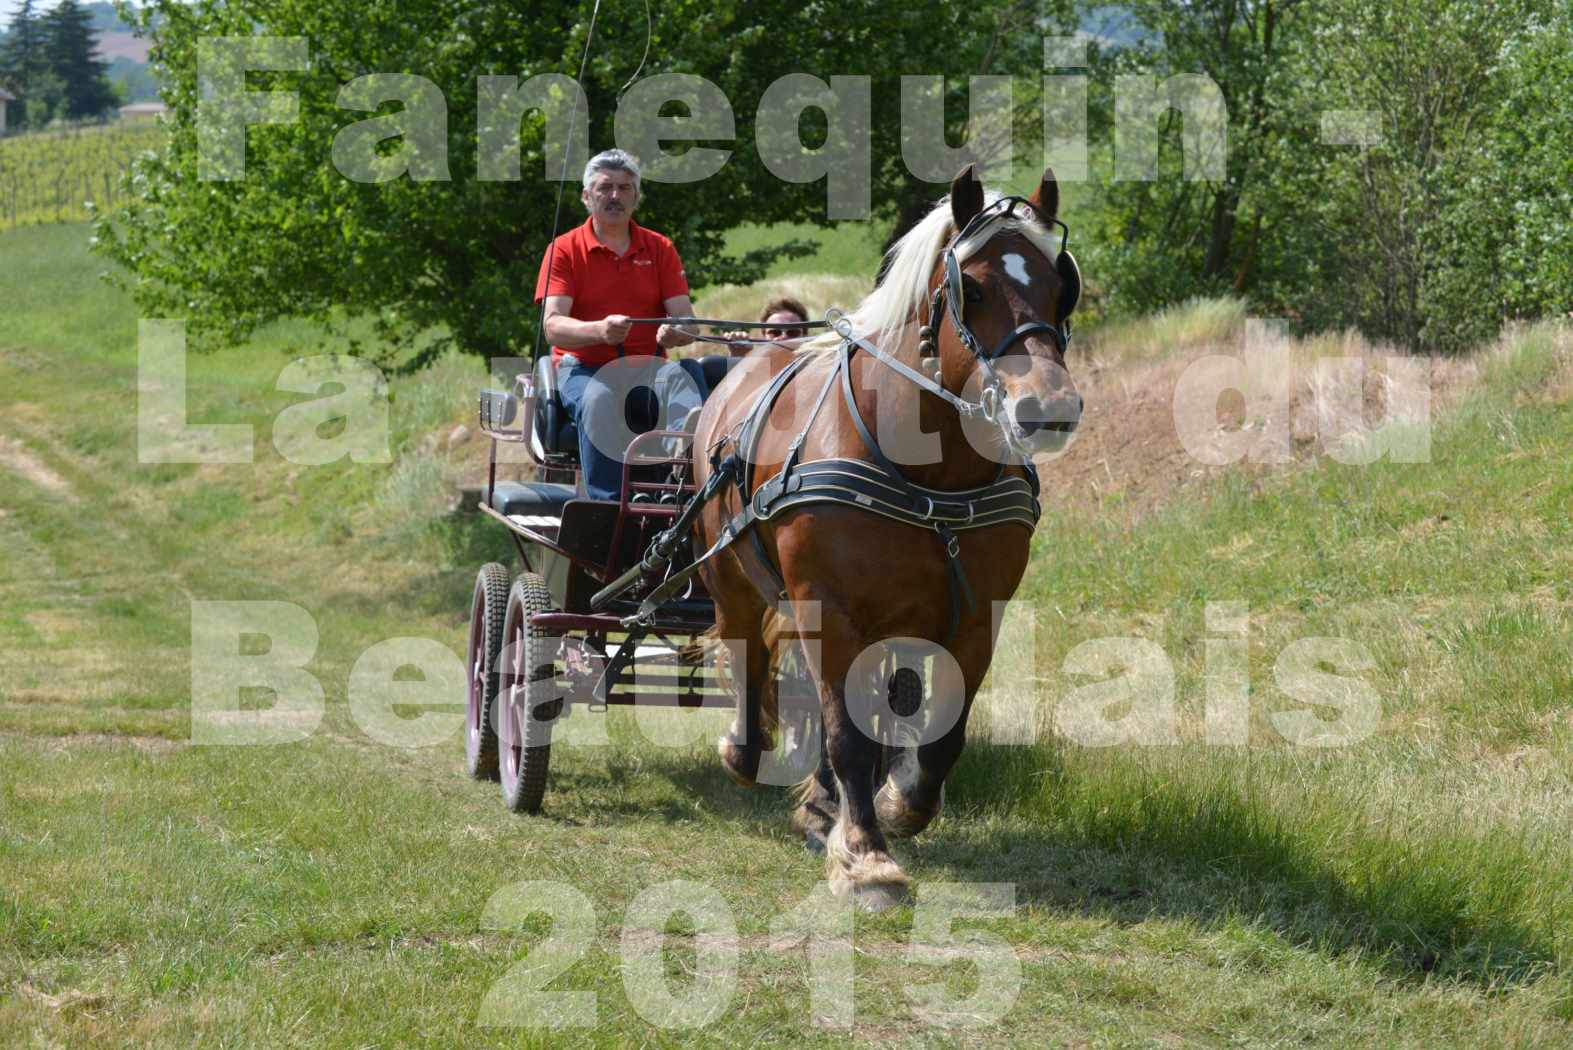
(566, 630)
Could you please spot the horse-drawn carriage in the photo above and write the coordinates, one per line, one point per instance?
(778, 515)
(559, 634)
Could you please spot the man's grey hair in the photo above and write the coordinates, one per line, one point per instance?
(612, 160)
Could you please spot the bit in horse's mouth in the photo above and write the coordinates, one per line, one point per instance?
(1050, 437)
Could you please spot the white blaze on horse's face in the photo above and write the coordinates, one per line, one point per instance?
(1016, 267)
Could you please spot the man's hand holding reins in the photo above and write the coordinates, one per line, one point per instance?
(615, 329)
(671, 335)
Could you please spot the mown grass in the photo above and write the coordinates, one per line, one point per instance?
(1408, 889)
(1427, 844)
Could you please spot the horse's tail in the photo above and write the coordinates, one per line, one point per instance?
(799, 792)
(702, 647)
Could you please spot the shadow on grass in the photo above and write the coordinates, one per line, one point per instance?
(668, 786)
(1127, 846)
(1133, 849)
(1141, 847)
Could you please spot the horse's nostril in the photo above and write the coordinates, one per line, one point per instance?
(1068, 420)
(1029, 414)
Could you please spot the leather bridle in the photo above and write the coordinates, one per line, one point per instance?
(948, 294)
(947, 301)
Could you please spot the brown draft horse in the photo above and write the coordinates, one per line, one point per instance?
(875, 578)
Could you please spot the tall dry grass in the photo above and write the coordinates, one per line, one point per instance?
(818, 292)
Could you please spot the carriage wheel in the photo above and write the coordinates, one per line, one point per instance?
(486, 623)
(530, 701)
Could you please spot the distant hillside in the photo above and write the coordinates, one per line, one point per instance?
(126, 52)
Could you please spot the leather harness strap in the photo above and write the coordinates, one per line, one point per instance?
(876, 487)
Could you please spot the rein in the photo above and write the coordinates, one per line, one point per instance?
(714, 323)
(721, 340)
(987, 407)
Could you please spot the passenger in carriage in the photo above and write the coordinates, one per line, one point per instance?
(779, 313)
(592, 280)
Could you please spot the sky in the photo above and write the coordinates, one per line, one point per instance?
(8, 7)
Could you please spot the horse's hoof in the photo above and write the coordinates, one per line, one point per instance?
(873, 897)
(874, 881)
(740, 763)
(881, 896)
(897, 819)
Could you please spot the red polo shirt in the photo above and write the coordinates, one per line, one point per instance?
(601, 283)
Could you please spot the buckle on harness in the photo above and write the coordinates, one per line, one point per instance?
(952, 545)
(989, 403)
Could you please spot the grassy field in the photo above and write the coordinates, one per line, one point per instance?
(1407, 889)
(52, 176)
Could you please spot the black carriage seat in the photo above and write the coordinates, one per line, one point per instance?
(555, 433)
(535, 503)
(707, 372)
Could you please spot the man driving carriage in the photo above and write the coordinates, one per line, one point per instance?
(593, 280)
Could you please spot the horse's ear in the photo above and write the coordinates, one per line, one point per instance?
(966, 196)
(1046, 198)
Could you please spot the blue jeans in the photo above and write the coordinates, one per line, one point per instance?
(598, 408)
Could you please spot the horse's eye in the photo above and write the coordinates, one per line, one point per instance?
(971, 292)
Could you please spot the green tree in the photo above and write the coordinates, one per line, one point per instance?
(70, 45)
(458, 256)
(45, 99)
(22, 57)
(1425, 212)
(1166, 238)
(1506, 234)
(999, 39)
(1401, 168)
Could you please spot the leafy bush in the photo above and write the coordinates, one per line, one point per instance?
(1457, 217)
